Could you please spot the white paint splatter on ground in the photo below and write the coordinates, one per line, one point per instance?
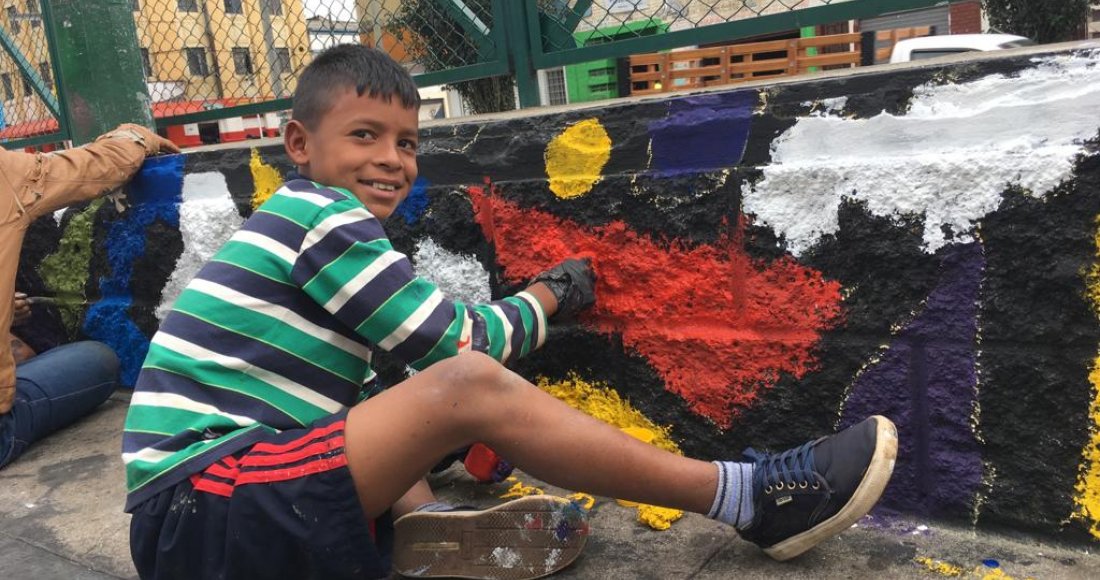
(552, 559)
(208, 217)
(460, 277)
(506, 557)
(948, 159)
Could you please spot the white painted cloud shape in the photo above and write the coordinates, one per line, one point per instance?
(208, 217)
(460, 277)
(949, 158)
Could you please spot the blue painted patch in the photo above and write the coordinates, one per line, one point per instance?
(154, 194)
(702, 133)
(414, 206)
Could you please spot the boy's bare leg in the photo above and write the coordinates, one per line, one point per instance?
(419, 494)
(395, 438)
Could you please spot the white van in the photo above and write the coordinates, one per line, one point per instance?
(934, 46)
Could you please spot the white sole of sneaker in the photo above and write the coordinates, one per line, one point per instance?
(865, 497)
(529, 537)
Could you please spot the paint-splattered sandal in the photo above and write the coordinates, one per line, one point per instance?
(529, 537)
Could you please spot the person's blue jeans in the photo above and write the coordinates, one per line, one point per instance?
(54, 389)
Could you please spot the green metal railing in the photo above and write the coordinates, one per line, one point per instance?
(206, 60)
(552, 32)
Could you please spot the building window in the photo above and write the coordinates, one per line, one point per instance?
(280, 62)
(272, 7)
(242, 61)
(233, 7)
(555, 87)
(187, 5)
(13, 20)
(146, 63)
(9, 90)
(27, 90)
(196, 62)
(34, 13)
(47, 74)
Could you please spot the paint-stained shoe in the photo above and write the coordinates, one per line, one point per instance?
(811, 493)
(529, 537)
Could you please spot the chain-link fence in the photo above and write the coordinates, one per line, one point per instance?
(601, 21)
(29, 109)
(203, 55)
(213, 60)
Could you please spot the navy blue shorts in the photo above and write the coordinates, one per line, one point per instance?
(284, 508)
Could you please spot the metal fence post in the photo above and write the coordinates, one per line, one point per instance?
(519, 53)
(98, 63)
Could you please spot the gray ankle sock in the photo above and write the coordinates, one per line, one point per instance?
(733, 498)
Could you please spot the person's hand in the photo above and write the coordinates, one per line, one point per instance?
(21, 307)
(573, 284)
(153, 143)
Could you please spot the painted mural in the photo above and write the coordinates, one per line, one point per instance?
(774, 263)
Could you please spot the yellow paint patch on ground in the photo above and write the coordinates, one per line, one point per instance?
(519, 489)
(583, 499)
(951, 570)
(265, 178)
(576, 157)
(605, 404)
(658, 518)
(939, 566)
(1088, 482)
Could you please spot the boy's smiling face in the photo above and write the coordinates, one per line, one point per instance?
(364, 144)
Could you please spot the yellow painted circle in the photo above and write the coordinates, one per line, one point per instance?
(576, 157)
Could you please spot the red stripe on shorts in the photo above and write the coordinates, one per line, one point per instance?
(303, 440)
(317, 448)
(286, 473)
(211, 486)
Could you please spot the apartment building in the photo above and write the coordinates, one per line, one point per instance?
(1094, 20)
(226, 51)
(21, 20)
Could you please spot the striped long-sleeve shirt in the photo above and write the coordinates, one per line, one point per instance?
(276, 331)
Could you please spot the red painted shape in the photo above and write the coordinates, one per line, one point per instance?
(717, 325)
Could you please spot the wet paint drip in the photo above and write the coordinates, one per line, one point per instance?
(265, 178)
(718, 326)
(1087, 497)
(65, 272)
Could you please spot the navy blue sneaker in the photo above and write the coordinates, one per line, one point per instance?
(811, 493)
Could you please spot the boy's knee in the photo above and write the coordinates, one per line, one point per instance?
(475, 371)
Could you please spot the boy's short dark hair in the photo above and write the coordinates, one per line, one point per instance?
(367, 69)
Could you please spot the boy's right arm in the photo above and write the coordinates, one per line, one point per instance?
(348, 265)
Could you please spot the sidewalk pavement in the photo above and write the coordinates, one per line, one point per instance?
(61, 518)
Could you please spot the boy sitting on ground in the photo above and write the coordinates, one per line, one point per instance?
(258, 444)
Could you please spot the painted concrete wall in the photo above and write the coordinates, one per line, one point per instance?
(773, 264)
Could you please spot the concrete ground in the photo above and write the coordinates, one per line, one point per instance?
(61, 517)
